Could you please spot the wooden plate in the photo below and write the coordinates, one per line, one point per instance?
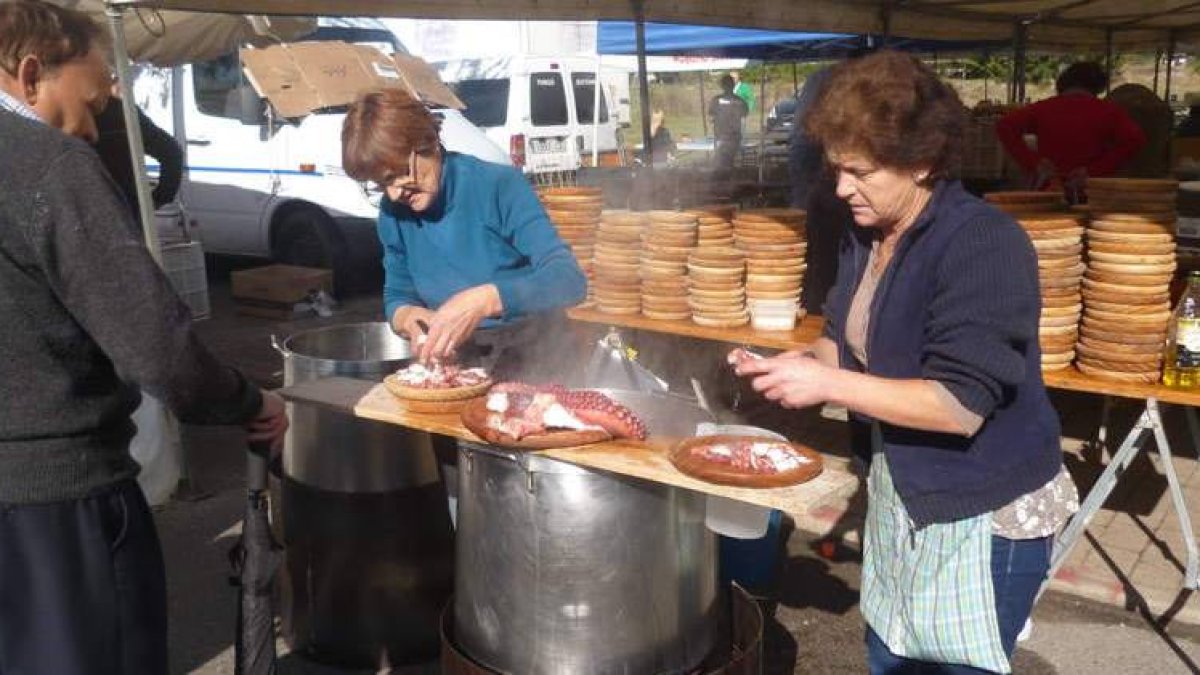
(702, 320)
(1068, 300)
(1075, 232)
(1023, 197)
(666, 316)
(1133, 318)
(1131, 258)
(1132, 269)
(1106, 347)
(1118, 360)
(1130, 237)
(1126, 308)
(475, 414)
(1130, 227)
(1101, 246)
(720, 474)
(1132, 185)
(409, 393)
(1051, 222)
(1139, 378)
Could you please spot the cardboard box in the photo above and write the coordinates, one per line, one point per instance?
(302, 77)
(273, 291)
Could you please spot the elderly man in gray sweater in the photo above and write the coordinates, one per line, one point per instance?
(88, 320)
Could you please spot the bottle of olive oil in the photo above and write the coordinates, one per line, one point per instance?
(1181, 361)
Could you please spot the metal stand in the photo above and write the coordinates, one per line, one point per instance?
(612, 354)
(1149, 421)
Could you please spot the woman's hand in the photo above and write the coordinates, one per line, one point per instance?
(411, 322)
(457, 319)
(792, 379)
(270, 424)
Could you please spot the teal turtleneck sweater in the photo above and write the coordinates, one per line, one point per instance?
(486, 226)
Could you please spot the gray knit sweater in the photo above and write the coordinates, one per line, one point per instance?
(88, 319)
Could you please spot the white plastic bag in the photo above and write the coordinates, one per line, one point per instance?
(158, 448)
(732, 518)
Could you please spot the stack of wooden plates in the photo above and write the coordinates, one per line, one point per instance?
(1024, 204)
(774, 244)
(1130, 263)
(669, 237)
(716, 287)
(616, 285)
(1147, 197)
(715, 229)
(1058, 240)
(575, 211)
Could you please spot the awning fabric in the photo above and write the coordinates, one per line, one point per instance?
(167, 38)
(1060, 24)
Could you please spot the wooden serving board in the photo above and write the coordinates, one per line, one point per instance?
(724, 474)
(646, 460)
(474, 417)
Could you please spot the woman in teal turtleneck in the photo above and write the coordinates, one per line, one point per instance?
(466, 243)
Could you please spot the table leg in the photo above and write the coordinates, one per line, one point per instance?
(1100, 491)
(1185, 521)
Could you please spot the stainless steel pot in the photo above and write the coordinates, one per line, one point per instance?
(333, 451)
(368, 543)
(564, 570)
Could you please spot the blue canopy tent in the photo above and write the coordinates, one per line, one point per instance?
(669, 39)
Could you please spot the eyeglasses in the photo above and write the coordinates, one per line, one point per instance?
(408, 184)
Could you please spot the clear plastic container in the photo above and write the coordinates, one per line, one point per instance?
(773, 314)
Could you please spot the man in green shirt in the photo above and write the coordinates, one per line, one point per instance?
(743, 89)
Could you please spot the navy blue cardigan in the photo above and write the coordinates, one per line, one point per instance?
(959, 304)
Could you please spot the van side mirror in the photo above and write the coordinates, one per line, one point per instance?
(252, 108)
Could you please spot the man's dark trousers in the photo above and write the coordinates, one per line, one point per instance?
(82, 587)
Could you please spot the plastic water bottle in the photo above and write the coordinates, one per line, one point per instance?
(1181, 360)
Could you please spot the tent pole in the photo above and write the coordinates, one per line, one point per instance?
(1170, 63)
(1108, 60)
(1157, 62)
(885, 18)
(639, 12)
(1016, 92)
(133, 130)
(1020, 60)
(596, 117)
(762, 123)
(703, 104)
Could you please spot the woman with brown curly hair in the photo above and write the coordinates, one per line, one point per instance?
(466, 243)
(931, 342)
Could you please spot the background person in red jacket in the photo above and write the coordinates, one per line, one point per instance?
(1078, 134)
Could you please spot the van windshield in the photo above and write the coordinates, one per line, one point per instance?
(486, 101)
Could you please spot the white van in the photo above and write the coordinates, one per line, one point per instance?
(277, 190)
(539, 108)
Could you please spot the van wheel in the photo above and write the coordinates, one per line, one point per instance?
(308, 238)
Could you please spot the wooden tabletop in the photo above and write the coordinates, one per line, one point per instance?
(809, 329)
(644, 460)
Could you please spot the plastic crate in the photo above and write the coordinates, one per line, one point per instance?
(184, 265)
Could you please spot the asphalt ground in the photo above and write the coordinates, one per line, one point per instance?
(814, 626)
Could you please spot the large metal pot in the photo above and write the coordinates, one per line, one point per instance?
(564, 570)
(368, 541)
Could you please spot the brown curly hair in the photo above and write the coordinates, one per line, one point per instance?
(381, 130)
(892, 109)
